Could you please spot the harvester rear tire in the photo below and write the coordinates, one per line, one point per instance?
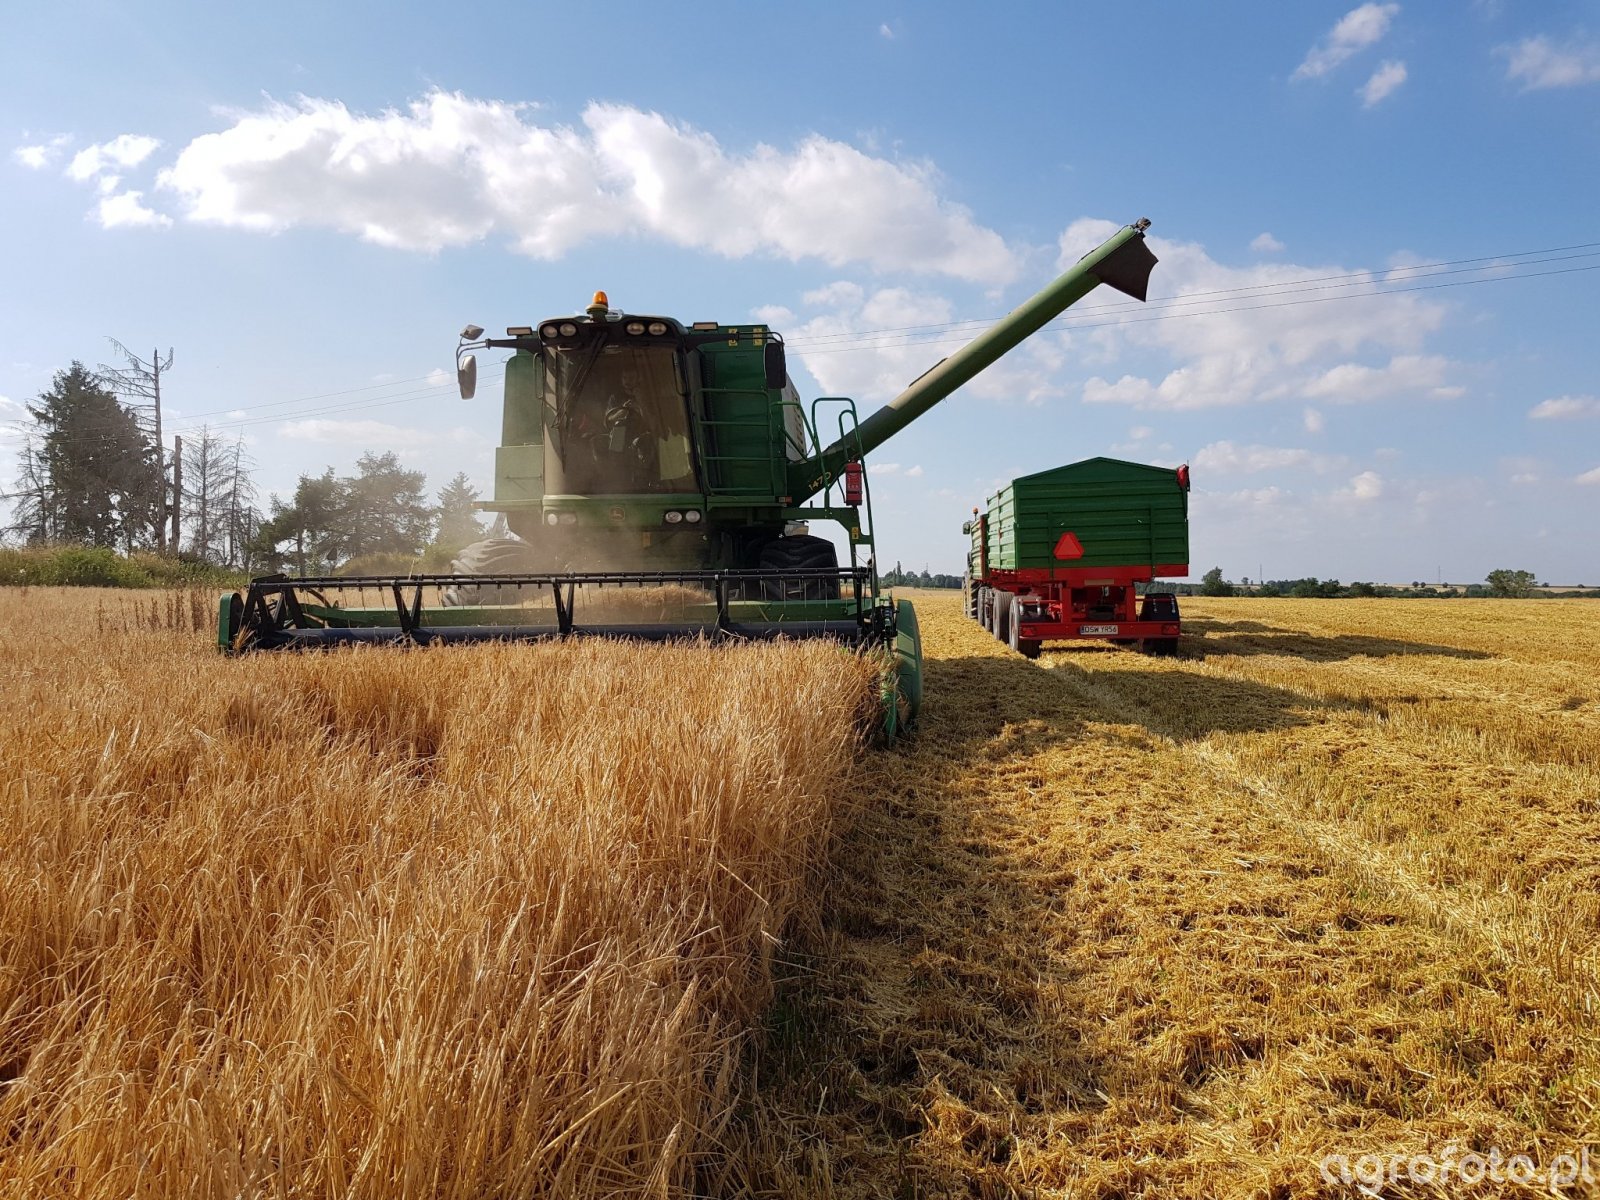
(800, 552)
(492, 556)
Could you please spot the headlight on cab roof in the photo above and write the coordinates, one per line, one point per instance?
(635, 327)
(657, 328)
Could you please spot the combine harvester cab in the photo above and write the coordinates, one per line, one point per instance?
(660, 481)
(1060, 555)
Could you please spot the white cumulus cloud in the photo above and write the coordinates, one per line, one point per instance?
(375, 434)
(125, 210)
(1537, 62)
(1313, 420)
(1226, 458)
(1590, 476)
(1384, 82)
(1563, 407)
(450, 170)
(1366, 486)
(1404, 374)
(1356, 30)
(1240, 335)
(41, 154)
(870, 345)
(124, 151)
(1265, 243)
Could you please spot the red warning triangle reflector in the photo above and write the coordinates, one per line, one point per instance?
(1068, 546)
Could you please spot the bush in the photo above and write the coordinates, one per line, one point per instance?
(99, 566)
(74, 566)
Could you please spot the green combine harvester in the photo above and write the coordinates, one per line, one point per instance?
(659, 481)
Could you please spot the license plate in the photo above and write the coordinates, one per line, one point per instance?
(1098, 630)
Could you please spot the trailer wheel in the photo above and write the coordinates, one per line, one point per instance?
(1027, 647)
(1001, 621)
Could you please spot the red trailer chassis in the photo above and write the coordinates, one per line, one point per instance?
(1029, 607)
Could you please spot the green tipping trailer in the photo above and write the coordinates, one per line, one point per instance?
(641, 452)
(1062, 554)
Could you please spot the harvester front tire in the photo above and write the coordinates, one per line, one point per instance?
(492, 556)
(799, 553)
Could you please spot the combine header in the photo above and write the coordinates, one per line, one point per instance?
(660, 480)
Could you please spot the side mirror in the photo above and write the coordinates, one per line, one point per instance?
(467, 376)
(774, 365)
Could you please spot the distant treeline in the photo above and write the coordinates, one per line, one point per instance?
(900, 577)
(1504, 584)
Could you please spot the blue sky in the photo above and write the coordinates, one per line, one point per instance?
(308, 201)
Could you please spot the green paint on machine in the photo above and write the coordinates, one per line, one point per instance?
(1118, 514)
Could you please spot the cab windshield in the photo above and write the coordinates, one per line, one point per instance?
(620, 424)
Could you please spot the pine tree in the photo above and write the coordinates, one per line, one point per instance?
(92, 476)
(307, 533)
(458, 519)
(386, 511)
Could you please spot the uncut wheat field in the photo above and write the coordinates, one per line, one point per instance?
(594, 920)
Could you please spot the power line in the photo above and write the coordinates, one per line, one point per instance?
(1167, 304)
(218, 412)
(1068, 322)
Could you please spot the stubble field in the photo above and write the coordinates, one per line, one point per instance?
(1113, 926)
(501, 921)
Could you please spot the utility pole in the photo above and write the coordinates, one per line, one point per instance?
(143, 379)
(177, 488)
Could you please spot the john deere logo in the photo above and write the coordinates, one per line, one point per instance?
(619, 514)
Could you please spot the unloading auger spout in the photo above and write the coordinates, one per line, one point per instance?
(1122, 262)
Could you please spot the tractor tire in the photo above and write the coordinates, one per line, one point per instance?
(798, 553)
(492, 556)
